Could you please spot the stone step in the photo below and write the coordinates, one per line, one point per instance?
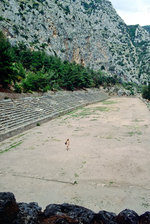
(17, 114)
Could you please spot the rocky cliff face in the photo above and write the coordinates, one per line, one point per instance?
(88, 32)
(141, 40)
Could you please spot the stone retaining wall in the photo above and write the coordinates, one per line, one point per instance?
(12, 212)
(18, 115)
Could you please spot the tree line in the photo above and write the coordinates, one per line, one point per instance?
(28, 71)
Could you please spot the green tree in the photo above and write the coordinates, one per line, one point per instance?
(146, 92)
(6, 61)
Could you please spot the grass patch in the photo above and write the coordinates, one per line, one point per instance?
(108, 137)
(75, 182)
(85, 112)
(77, 129)
(109, 102)
(111, 182)
(32, 148)
(137, 120)
(101, 108)
(83, 163)
(132, 133)
(76, 175)
(12, 146)
(145, 205)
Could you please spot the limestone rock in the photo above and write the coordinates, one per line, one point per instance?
(89, 32)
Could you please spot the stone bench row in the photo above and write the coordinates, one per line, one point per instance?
(25, 112)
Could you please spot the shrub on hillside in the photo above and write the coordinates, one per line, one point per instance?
(10, 70)
(17, 88)
(36, 71)
(6, 61)
(35, 81)
(146, 92)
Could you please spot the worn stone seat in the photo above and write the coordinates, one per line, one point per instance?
(17, 115)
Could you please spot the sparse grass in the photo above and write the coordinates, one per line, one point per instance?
(46, 140)
(75, 182)
(31, 148)
(137, 120)
(77, 130)
(76, 200)
(118, 139)
(76, 175)
(145, 204)
(109, 102)
(111, 182)
(132, 133)
(85, 112)
(83, 163)
(55, 139)
(108, 137)
(14, 145)
(16, 137)
(101, 108)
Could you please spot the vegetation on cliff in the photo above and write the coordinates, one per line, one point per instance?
(146, 92)
(147, 28)
(8, 68)
(30, 70)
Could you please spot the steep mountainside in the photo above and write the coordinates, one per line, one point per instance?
(141, 40)
(147, 28)
(88, 32)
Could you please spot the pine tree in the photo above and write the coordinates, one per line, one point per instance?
(6, 61)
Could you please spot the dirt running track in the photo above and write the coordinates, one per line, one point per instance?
(106, 168)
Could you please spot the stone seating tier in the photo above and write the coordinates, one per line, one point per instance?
(17, 115)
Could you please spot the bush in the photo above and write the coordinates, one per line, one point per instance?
(18, 88)
(146, 92)
(35, 81)
(6, 62)
(37, 71)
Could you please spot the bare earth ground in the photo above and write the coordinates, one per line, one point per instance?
(106, 168)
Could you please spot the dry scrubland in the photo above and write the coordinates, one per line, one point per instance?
(107, 165)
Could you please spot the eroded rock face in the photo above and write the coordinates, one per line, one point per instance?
(23, 213)
(89, 32)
